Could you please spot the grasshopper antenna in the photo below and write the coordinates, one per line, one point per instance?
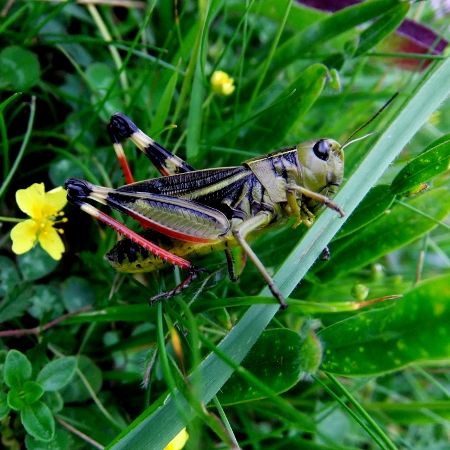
(364, 125)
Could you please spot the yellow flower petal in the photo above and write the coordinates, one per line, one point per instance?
(23, 236)
(179, 441)
(51, 242)
(55, 200)
(222, 83)
(30, 199)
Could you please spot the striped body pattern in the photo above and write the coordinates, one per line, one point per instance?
(189, 212)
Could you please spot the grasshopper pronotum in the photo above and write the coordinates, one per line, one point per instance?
(197, 211)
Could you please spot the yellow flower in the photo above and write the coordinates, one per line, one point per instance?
(44, 211)
(179, 441)
(222, 83)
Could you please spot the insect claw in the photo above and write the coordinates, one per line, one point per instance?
(193, 274)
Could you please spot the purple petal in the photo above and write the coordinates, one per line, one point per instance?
(419, 34)
(422, 35)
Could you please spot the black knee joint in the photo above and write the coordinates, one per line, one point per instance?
(120, 127)
(77, 190)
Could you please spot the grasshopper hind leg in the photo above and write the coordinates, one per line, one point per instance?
(122, 128)
(193, 274)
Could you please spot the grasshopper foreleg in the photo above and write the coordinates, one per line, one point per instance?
(317, 197)
(240, 231)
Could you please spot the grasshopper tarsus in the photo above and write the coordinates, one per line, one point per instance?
(326, 254)
(193, 274)
(279, 296)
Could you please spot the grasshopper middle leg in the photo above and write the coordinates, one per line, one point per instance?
(240, 231)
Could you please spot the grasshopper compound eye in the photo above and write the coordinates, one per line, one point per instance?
(322, 149)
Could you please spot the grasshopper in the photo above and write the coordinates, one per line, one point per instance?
(198, 211)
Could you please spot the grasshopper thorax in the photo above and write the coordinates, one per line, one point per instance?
(321, 165)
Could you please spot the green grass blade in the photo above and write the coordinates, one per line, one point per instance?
(158, 425)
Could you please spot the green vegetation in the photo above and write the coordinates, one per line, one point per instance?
(358, 359)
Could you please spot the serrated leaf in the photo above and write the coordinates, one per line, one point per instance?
(413, 329)
(433, 161)
(17, 369)
(57, 374)
(38, 421)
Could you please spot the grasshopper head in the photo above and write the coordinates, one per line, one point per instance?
(322, 165)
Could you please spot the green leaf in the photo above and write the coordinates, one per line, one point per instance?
(61, 441)
(4, 408)
(9, 276)
(45, 302)
(19, 69)
(194, 119)
(328, 28)
(273, 123)
(56, 374)
(54, 401)
(162, 111)
(125, 313)
(412, 412)
(381, 27)
(76, 391)
(15, 303)
(433, 161)
(17, 369)
(64, 168)
(276, 360)
(100, 78)
(166, 414)
(32, 392)
(35, 264)
(413, 329)
(38, 421)
(376, 202)
(77, 293)
(388, 233)
(15, 400)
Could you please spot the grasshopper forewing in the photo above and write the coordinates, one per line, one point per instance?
(202, 210)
